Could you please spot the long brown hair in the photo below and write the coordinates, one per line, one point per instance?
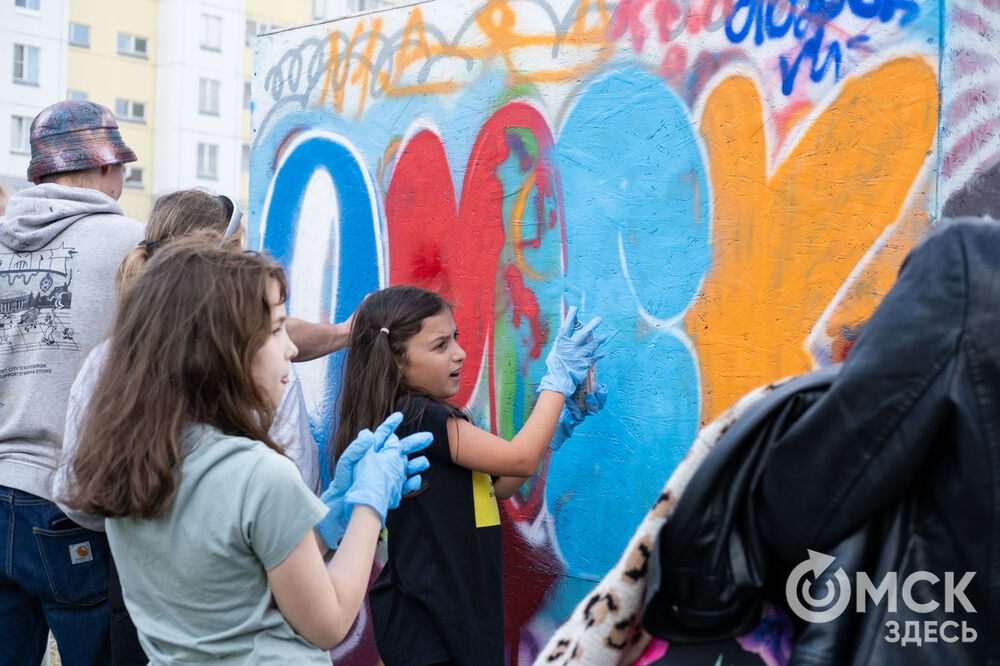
(174, 215)
(372, 386)
(181, 353)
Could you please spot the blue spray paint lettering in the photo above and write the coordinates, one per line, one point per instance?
(638, 247)
(357, 266)
(759, 17)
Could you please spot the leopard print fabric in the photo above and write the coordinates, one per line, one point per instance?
(605, 628)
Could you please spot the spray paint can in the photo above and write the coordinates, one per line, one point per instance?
(589, 383)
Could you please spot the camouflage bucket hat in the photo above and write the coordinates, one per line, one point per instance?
(75, 135)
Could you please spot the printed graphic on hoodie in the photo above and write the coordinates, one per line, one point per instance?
(35, 300)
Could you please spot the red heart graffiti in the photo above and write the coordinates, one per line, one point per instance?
(457, 252)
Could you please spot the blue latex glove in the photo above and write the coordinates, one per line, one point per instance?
(410, 444)
(383, 474)
(334, 524)
(571, 416)
(571, 355)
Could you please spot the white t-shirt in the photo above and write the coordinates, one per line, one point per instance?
(195, 578)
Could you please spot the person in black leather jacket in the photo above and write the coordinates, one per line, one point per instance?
(901, 457)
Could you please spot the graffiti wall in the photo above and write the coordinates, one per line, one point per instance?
(731, 184)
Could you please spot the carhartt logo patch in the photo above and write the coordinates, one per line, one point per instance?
(80, 553)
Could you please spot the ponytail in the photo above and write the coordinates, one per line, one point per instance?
(175, 215)
(130, 267)
(372, 386)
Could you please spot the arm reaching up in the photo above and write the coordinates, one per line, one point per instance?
(572, 354)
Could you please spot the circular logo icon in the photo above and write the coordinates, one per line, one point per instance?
(829, 604)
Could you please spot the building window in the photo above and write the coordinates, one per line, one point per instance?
(246, 95)
(131, 111)
(134, 177)
(368, 5)
(20, 128)
(323, 9)
(79, 35)
(26, 64)
(75, 94)
(255, 28)
(211, 32)
(245, 161)
(208, 96)
(208, 161)
(133, 46)
(33, 5)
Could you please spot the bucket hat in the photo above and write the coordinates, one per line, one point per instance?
(74, 135)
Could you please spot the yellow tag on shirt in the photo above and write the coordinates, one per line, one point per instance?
(487, 513)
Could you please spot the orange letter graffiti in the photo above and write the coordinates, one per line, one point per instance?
(784, 243)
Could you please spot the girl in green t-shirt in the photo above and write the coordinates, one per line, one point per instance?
(219, 543)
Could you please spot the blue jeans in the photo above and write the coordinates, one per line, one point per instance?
(53, 576)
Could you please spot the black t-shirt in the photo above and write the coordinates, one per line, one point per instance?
(440, 595)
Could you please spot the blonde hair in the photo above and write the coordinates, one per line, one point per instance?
(176, 214)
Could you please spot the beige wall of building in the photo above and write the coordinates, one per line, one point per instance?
(118, 69)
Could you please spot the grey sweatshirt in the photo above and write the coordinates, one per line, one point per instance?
(59, 251)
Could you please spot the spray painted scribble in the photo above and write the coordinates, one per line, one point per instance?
(732, 184)
(775, 19)
(970, 127)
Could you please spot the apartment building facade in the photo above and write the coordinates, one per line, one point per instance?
(33, 50)
(177, 74)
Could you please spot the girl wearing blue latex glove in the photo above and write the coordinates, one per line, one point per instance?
(571, 415)
(571, 355)
(439, 597)
(380, 474)
(332, 527)
(210, 524)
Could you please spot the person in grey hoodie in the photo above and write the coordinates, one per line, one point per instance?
(61, 242)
